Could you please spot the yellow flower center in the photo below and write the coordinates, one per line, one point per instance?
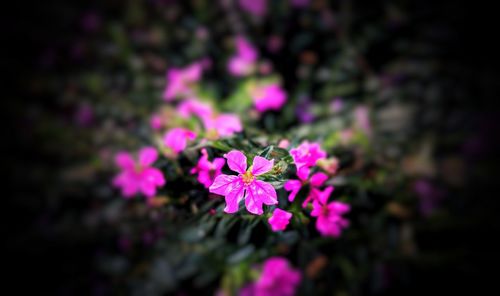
(138, 168)
(247, 177)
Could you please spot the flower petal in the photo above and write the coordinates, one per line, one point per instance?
(124, 160)
(260, 192)
(318, 179)
(147, 156)
(223, 184)
(234, 197)
(324, 195)
(279, 220)
(175, 139)
(218, 163)
(204, 178)
(261, 165)
(339, 207)
(293, 186)
(253, 204)
(151, 178)
(154, 176)
(232, 188)
(127, 182)
(303, 172)
(236, 161)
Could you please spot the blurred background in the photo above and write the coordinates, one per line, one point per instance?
(418, 78)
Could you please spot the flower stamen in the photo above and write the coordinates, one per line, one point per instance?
(247, 178)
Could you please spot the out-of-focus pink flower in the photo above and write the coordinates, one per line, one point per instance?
(303, 111)
(243, 61)
(155, 122)
(317, 180)
(194, 106)
(284, 143)
(305, 156)
(293, 186)
(245, 185)
(179, 81)
(207, 171)
(362, 118)
(279, 220)
(138, 176)
(337, 105)
(268, 97)
(329, 165)
(224, 125)
(176, 138)
(247, 290)
(255, 7)
(329, 215)
(84, 115)
(299, 3)
(278, 278)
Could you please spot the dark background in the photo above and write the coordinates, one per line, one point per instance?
(38, 260)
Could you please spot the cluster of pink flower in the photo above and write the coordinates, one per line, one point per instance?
(265, 96)
(181, 90)
(329, 215)
(245, 186)
(180, 85)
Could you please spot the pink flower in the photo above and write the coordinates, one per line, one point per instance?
(284, 143)
(224, 124)
(299, 3)
(317, 180)
(278, 278)
(255, 7)
(330, 221)
(179, 81)
(279, 220)
(243, 62)
(294, 186)
(194, 106)
(155, 122)
(176, 138)
(138, 176)
(305, 156)
(245, 185)
(207, 171)
(269, 97)
(329, 165)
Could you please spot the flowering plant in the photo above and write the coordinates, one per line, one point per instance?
(250, 147)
